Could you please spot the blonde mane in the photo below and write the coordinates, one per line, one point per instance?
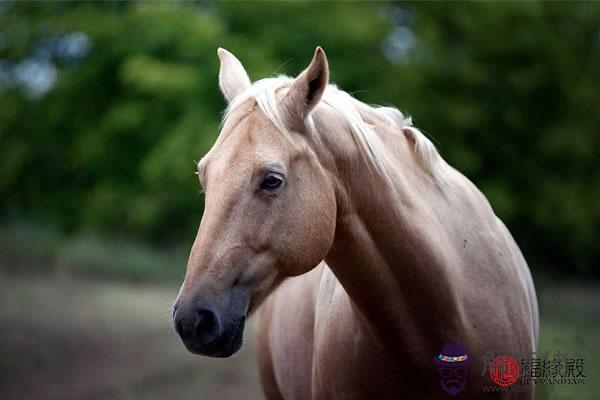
(351, 110)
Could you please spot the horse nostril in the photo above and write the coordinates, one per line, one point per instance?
(206, 327)
(179, 327)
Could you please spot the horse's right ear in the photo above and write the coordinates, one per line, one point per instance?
(233, 78)
(307, 89)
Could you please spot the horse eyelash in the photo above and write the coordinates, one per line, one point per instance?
(201, 192)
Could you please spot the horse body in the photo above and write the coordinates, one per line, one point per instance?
(415, 256)
(402, 280)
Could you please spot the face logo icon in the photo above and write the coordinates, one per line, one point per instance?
(452, 366)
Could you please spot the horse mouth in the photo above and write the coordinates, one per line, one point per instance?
(232, 341)
(226, 345)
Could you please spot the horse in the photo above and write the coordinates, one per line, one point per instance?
(371, 256)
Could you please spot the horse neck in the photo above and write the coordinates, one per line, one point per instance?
(389, 249)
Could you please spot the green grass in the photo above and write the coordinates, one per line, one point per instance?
(570, 322)
(73, 338)
(64, 338)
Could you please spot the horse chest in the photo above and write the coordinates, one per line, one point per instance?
(346, 365)
(348, 362)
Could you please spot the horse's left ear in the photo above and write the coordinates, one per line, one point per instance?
(233, 78)
(307, 89)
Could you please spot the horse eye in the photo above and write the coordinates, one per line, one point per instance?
(271, 182)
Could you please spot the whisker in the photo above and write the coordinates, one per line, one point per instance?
(281, 66)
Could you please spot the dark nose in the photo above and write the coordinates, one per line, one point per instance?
(198, 327)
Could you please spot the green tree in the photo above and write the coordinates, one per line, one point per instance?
(105, 106)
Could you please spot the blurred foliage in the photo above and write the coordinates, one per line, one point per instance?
(105, 106)
(32, 249)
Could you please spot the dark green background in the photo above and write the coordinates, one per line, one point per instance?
(509, 92)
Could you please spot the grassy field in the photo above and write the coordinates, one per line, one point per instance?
(570, 322)
(67, 338)
(74, 339)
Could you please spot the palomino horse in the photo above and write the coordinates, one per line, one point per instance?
(417, 263)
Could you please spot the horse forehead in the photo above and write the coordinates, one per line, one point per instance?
(251, 139)
(254, 135)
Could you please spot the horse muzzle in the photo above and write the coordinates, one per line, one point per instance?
(210, 329)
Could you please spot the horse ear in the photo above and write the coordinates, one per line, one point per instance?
(307, 89)
(233, 78)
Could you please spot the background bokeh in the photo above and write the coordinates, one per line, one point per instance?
(105, 107)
